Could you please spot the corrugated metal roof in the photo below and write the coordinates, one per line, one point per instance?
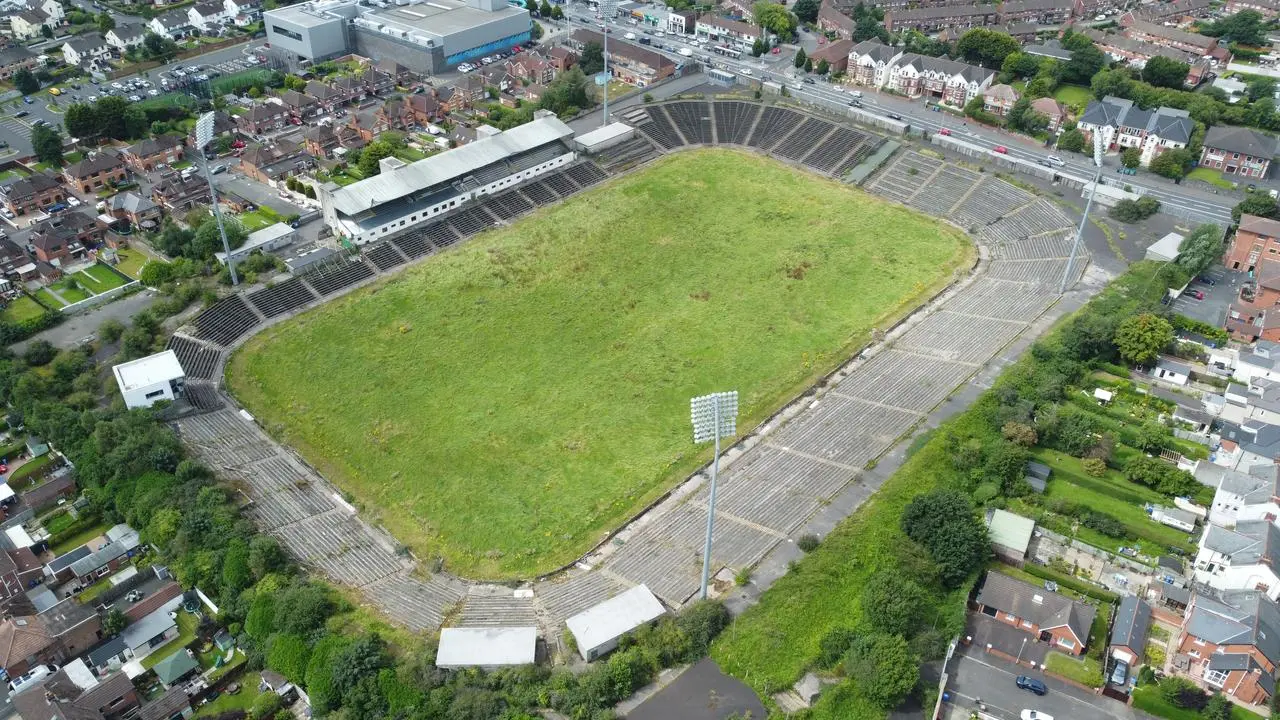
(386, 187)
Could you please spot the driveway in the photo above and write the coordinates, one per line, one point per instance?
(1005, 638)
(975, 675)
(1217, 297)
(79, 327)
(702, 692)
(255, 192)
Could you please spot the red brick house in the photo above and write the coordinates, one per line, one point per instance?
(425, 108)
(376, 82)
(395, 113)
(66, 236)
(833, 21)
(836, 54)
(93, 174)
(1052, 109)
(275, 161)
(60, 697)
(320, 140)
(533, 67)
(1132, 623)
(1046, 616)
(326, 95)
(56, 635)
(999, 99)
(146, 155)
(1238, 151)
(562, 58)
(32, 193)
(263, 117)
(1232, 644)
(178, 195)
(300, 105)
(1256, 238)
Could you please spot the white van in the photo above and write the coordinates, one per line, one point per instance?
(1056, 161)
(629, 36)
(856, 94)
(686, 52)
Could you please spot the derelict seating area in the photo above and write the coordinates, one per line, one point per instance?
(202, 397)
(197, 359)
(903, 178)
(384, 256)
(947, 187)
(413, 244)
(559, 184)
(585, 174)
(538, 193)
(692, 119)
(626, 155)
(834, 148)
(799, 143)
(225, 320)
(470, 221)
(332, 278)
(774, 124)
(440, 235)
(659, 129)
(508, 205)
(989, 202)
(280, 299)
(734, 121)
(534, 158)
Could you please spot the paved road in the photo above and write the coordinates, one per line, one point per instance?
(974, 674)
(80, 327)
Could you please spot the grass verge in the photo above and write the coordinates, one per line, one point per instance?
(543, 372)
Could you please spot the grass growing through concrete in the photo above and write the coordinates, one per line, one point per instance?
(506, 404)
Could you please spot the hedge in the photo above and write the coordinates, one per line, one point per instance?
(14, 450)
(38, 465)
(84, 522)
(12, 332)
(1067, 581)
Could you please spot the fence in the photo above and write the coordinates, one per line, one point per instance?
(999, 160)
(101, 298)
(1193, 437)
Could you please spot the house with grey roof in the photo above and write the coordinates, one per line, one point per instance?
(1129, 630)
(1056, 619)
(1231, 642)
(950, 81)
(1248, 444)
(1123, 125)
(1238, 151)
(1183, 520)
(1240, 495)
(109, 557)
(152, 631)
(1246, 557)
(1172, 372)
(870, 62)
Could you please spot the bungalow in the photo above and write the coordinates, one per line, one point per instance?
(95, 173)
(1238, 151)
(32, 193)
(1232, 643)
(1123, 125)
(1174, 373)
(141, 638)
(1240, 558)
(999, 99)
(870, 62)
(1128, 640)
(122, 542)
(160, 150)
(1045, 615)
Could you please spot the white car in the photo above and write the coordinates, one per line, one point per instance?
(73, 201)
(153, 93)
(135, 98)
(1035, 715)
(117, 86)
(746, 71)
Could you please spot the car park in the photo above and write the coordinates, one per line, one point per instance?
(1206, 280)
(1031, 684)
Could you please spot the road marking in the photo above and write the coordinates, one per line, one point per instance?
(989, 707)
(1085, 703)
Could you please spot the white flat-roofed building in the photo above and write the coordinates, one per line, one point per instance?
(486, 647)
(272, 237)
(146, 381)
(18, 536)
(394, 202)
(597, 629)
(604, 138)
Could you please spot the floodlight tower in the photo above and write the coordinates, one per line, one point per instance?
(608, 12)
(204, 136)
(714, 416)
(1097, 178)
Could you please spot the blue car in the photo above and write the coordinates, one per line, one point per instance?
(27, 100)
(1032, 684)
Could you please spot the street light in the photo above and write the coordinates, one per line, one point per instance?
(1097, 178)
(714, 416)
(204, 136)
(609, 11)
(1024, 647)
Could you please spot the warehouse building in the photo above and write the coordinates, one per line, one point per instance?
(427, 37)
(399, 198)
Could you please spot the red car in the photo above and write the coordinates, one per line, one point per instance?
(776, 50)
(1197, 294)
(944, 131)
(1002, 150)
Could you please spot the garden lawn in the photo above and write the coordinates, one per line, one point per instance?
(99, 278)
(79, 539)
(187, 624)
(257, 219)
(1147, 698)
(68, 293)
(23, 308)
(508, 403)
(48, 299)
(1212, 177)
(1084, 670)
(1077, 96)
(131, 261)
(242, 700)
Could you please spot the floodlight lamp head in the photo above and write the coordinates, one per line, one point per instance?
(705, 410)
(204, 130)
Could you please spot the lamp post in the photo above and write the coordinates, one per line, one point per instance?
(1097, 178)
(609, 11)
(1024, 647)
(714, 416)
(204, 136)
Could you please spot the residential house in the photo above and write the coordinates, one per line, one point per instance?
(933, 19)
(1238, 151)
(1159, 34)
(15, 265)
(123, 37)
(32, 193)
(1232, 643)
(146, 155)
(56, 635)
(122, 543)
(1171, 371)
(243, 12)
(999, 99)
(1137, 52)
(29, 24)
(95, 173)
(496, 76)
(174, 703)
(425, 108)
(263, 117)
(395, 114)
(398, 73)
(836, 54)
(153, 630)
(1241, 496)
(870, 62)
(533, 67)
(133, 208)
(1051, 48)
(1052, 109)
(275, 161)
(950, 81)
(86, 50)
(52, 8)
(1055, 619)
(349, 87)
(1123, 125)
(369, 124)
(633, 64)
(1132, 623)
(1243, 446)
(1240, 558)
(74, 693)
(206, 15)
(833, 21)
(300, 106)
(320, 140)
(1043, 12)
(1255, 238)
(1174, 10)
(326, 95)
(1268, 8)
(15, 58)
(562, 58)
(376, 82)
(155, 600)
(177, 195)
(1183, 520)
(108, 657)
(66, 236)
(173, 24)
(175, 668)
(724, 31)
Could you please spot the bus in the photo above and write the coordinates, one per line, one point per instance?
(728, 52)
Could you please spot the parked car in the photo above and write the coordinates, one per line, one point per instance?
(1035, 715)
(21, 113)
(1120, 673)
(1032, 684)
(1197, 294)
(1206, 280)
(1002, 150)
(27, 100)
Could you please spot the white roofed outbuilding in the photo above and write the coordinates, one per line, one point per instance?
(598, 628)
(146, 381)
(487, 647)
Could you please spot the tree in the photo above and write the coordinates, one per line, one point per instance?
(46, 31)
(364, 657)
(1019, 433)
(545, 9)
(894, 604)
(114, 622)
(566, 94)
(943, 522)
(1260, 87)
(1173, 164)
(319, 680)
(302, 608)
(806, 10)
(1131, 157)
(757, 48)
(105, 21)
(1140, 338)
(1132, 211)
(158, 47)
(884, 669)
(1259, 204)
(557, 13)
(288, 654)
(47, 143)
(81, 121)
(25, 81)
(1165, 72)
(265, 555)
(1200, 249)
(592, 59)
(266, 706)
(800, 58)
(1071, 141)
(775, 18)
(1084, 64)
(293, 82)
(823, 67)
(1023, 118)
(986, 47)
(1246, 27)
(208, 240)
(236, 575)
(1020, 64)
(808, 65)
(1218, 708)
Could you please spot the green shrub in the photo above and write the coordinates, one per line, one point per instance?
(1072, 583)
(808, 542)
(1095, 467)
